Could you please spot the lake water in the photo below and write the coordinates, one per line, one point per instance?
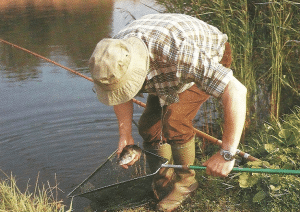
(51, 123)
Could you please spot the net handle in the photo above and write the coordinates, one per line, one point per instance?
(252, 170)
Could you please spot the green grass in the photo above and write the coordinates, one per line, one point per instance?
(41, 200)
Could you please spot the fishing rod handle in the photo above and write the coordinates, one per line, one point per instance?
(219, 143)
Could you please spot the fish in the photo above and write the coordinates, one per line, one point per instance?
(129, 153)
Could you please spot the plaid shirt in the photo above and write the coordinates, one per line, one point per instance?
(183, 51)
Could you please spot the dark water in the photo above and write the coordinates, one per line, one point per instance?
(51, 123)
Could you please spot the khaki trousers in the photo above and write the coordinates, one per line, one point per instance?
(171, 124)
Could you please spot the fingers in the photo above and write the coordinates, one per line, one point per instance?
(122, 144)
(124, 141)
(135, 159)
(125, 166)
(217, 172)
(216, 166)
(205, 163)
(120, 149)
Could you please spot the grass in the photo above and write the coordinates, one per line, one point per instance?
(41, 200)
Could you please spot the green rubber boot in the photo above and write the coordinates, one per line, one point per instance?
(163, 180)
(185, 184)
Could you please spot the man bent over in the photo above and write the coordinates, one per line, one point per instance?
(179, 61)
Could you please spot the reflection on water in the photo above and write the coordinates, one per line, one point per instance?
(51, 122)
(52, 30)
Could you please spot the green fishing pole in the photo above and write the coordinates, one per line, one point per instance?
(267, 171)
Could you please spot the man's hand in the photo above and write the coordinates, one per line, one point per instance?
(124, 141)
(217, 166)
(129, 155)
(135, 159)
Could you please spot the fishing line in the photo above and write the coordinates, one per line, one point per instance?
(198, 132)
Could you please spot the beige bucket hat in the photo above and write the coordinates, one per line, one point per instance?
(119, 68)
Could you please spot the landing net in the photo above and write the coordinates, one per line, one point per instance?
(112, 187)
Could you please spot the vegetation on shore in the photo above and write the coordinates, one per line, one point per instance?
(264, 36)
(40, 200)
(277, 145)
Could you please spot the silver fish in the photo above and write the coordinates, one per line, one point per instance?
(128, 154)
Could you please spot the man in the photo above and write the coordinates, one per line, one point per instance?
(177, 59)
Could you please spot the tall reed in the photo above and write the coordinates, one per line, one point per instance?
(280, 22)
(260, 33)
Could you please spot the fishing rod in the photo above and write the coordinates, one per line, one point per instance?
(57, 64)
(44, 58)
(198, 132)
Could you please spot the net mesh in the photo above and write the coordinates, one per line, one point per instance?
(113, 187)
